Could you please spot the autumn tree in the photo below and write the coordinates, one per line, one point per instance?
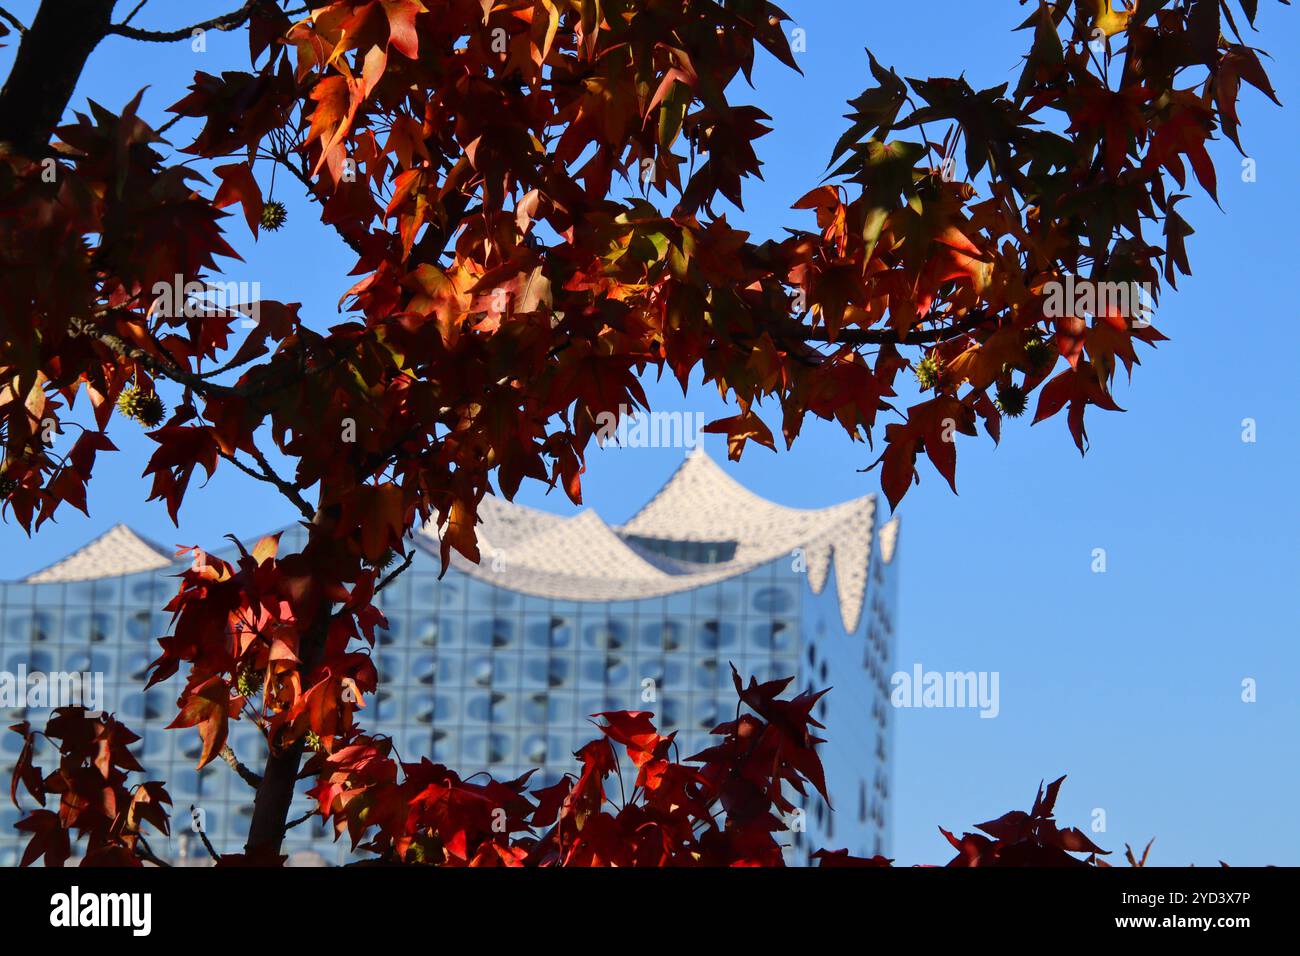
(535, 193)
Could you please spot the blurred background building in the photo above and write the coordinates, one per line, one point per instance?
(498, 666)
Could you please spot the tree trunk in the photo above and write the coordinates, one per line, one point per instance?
(274, 798)
(48, 65)
(46, 70)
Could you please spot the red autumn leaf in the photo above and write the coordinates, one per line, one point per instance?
(1078, 387)
(507, 297)
(49, 838)
(239, 186)
(208, 707)
(931, 427)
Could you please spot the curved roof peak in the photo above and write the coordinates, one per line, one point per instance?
(581, 546)
(701, 502)
(117, 551)
(581, 558)
(694, 503)
(504, 524)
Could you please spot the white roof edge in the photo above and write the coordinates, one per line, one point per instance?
(118, 551)
(889, 539)
(582, 559)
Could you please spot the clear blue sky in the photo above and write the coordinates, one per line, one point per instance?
(1129, 681)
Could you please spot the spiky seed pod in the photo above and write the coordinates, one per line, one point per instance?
(386, 560)
(274, 215)
(415, 853)
(249, 681)
(144, 407)
(128, 403)
(312, 740)
(1039, 356)
(929, 371)
(7, 486)
(152, 411)
(1011, 400)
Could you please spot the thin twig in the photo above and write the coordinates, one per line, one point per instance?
(136, 354)
(17, 24)
(229, 21)
(131, 16)
(147, 854)
(169, 124)
(886, 336)
(302, 819)
(207, 844)
(396, 571)
(250, 778)
(857, 336)
(225, 23)
(259, 385)
(291, 491)
(271, 478)
(303, 177)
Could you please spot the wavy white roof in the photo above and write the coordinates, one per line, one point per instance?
(584, 559)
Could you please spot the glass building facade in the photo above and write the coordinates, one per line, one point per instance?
(498, 666)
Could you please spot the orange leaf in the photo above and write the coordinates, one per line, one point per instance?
(208, 707)
(739, 429)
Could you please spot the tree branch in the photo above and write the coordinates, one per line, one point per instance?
(134, 353)
(250, 778)
(13, 20)
(271, 478)
(46, 69)
(146, 853)
(302, 819)
(353, 242)
(131, 16)
(396, 571)
(207, 844)
(226, 22)
(280, 776)
(433, 244)
(855, 336)
(259, 385)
